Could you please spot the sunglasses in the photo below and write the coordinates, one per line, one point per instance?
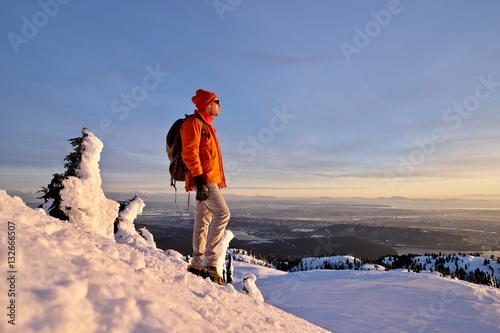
(217, 101)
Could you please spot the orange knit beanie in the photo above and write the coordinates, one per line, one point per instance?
(203, 98)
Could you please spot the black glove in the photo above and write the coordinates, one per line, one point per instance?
(201, 188)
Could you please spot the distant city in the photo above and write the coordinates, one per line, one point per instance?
(361, 227)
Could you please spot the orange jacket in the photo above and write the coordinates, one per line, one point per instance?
(201, 153)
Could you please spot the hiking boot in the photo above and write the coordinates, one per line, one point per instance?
(206, 272)
(197, 270)
(212, 273)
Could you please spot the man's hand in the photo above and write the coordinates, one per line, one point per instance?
(201, 188)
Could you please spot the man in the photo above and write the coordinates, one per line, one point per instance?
(202, 155)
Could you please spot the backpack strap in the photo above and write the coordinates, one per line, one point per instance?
(203, 132)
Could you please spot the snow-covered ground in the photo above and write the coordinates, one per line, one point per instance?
(70, 280)
(380, 301)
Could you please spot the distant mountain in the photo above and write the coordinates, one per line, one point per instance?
(394, 201)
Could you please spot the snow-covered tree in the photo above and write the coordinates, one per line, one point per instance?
(76, 195)
(223, 246)
(52, 193)
(125, 232)
(229, 269)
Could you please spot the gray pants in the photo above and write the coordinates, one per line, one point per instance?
(210, 221)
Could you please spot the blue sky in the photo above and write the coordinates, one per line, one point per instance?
(323, 98)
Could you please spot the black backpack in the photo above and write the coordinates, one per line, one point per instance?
(177, 168)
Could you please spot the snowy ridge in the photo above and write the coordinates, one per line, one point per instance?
(465, 267)
(76, 281)
(462, 266)
(243, 256)
(333, 262)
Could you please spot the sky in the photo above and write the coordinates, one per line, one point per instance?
(330, 98)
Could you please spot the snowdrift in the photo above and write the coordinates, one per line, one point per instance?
(70, 280)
